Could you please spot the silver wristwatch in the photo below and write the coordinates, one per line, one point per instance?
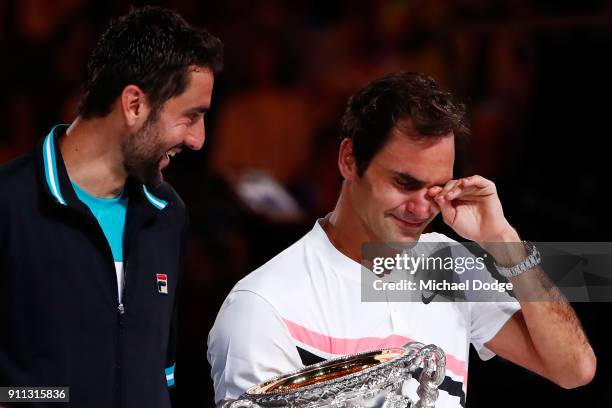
(533, 259)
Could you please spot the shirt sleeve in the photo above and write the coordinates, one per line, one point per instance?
(489, 309)
(486, 319)
(248, 344)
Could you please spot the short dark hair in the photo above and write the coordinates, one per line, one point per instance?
(373, 112)
(152, 48)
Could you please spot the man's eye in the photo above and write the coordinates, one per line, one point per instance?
(193, 117)
(406, 186)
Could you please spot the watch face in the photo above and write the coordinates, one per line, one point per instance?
(533, 259)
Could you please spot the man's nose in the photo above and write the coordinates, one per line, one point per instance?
(421, 205)
(195, 138)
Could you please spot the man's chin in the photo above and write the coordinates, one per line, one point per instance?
(407, 239)
(394, 236)
(401, 235)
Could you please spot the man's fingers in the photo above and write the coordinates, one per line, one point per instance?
(446, 208)
(456, 191)
(448, 187)
(471, 188)
(466, 188)
(433, 191)
(478, 181)
(435, 205)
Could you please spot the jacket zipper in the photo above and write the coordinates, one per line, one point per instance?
(121, 311)
(121, 306)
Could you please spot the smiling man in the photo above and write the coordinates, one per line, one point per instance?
(305, 305)
(90, 236)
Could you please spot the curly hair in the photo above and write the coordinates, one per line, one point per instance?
(150, 47)
(373, 112)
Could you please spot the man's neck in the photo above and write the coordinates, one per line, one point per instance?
(91, 150)
(344, 229)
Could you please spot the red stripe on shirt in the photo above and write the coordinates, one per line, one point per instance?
(340, 346)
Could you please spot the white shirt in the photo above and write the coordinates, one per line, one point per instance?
(307, 300)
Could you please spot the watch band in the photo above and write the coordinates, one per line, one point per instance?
(533, 259)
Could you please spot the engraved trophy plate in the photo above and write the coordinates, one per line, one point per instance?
(369, 379)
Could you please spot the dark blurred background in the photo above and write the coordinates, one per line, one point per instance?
(536, 78)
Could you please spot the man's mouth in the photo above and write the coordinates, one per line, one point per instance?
(171, 153)
(409, 223)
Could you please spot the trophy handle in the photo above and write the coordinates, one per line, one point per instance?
(433, 361)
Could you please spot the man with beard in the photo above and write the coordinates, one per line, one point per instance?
(305, 305)
(90, 236)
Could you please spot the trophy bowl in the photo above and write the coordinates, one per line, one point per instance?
(368, 379)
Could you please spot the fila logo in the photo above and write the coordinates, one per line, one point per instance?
(162, 283)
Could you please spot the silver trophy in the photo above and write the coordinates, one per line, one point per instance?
(369, 379)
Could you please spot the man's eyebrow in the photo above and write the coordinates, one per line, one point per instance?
(407, 179)
(197, 109)
(412, 181)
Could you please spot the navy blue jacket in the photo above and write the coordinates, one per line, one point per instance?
(60, 320)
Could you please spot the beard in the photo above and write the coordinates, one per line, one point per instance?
(142, 152)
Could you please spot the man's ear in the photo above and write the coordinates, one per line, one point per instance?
(133, 104)
(346, 160)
